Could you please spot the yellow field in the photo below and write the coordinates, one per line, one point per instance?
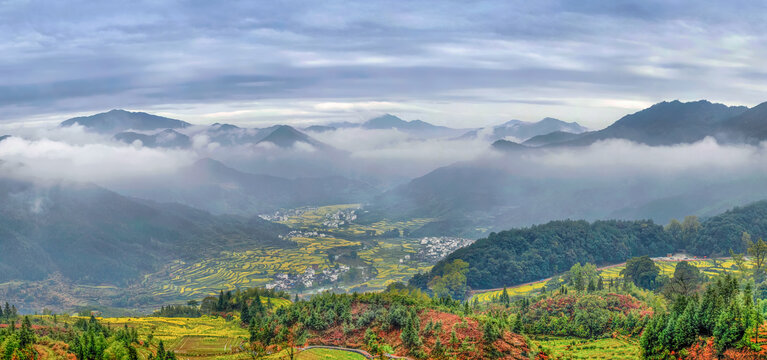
(709, 267)
(203, 338)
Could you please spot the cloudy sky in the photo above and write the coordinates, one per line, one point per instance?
(461, 64)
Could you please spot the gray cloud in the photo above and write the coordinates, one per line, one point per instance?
(590, 60)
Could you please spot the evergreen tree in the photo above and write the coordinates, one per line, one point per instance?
(729, 328)
(410, 333)
(505, 299)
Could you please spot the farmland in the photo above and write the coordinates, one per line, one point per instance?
(200, 338)
(326, 237)
(709, 267)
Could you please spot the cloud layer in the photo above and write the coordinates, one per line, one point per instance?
(455, 63)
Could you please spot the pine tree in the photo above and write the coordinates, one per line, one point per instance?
(245, 313)
(26, 335)
(505, 299)
(729, 328)
(438, 351)
(161, 351)
(410, 333)
(686, 327)
(600, 284)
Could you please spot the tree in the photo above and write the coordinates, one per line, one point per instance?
(758, 252)
(687, 278)
(642, 271)
(452, 283)
(504, 298)
(690, 228)
(674, 230)
(410, 333)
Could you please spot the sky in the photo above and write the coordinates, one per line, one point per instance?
(454, 63)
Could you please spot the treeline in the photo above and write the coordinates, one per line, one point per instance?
(722, 311)
(523, 255)
(8, 312)
(226, 303)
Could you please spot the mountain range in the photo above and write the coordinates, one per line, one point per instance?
(518, 130)
(416, 128)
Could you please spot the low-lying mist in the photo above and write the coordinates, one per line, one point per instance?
(614, 178)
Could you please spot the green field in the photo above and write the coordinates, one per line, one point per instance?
(571, 348)
(319, 354)
(709, 267)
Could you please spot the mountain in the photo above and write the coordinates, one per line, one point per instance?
(666, 123)
(210, 185)
(4, 137)
(285, 136)
(92, 235)
(521, 130)
(555, 137)
(167, 138)
(506, 146)
(749, 126)
(414, 127)
(116, 121)
(524, 130)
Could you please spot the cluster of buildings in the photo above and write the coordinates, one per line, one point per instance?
(304, 234)
(437, 247)
(339, 218)
(311, 276)
(284, 215)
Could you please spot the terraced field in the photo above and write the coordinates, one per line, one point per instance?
(386, 258)
(709, 267)
(243, 269)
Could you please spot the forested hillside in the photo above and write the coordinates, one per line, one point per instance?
(723, 232)
(522, 255)
(527, 254)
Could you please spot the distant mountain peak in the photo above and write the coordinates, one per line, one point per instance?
(224, 127)
(286, 136)
(118, 120)
(507, 145)
(3, 137)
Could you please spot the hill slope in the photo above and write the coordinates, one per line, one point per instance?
(92, 235)
(210, 185)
